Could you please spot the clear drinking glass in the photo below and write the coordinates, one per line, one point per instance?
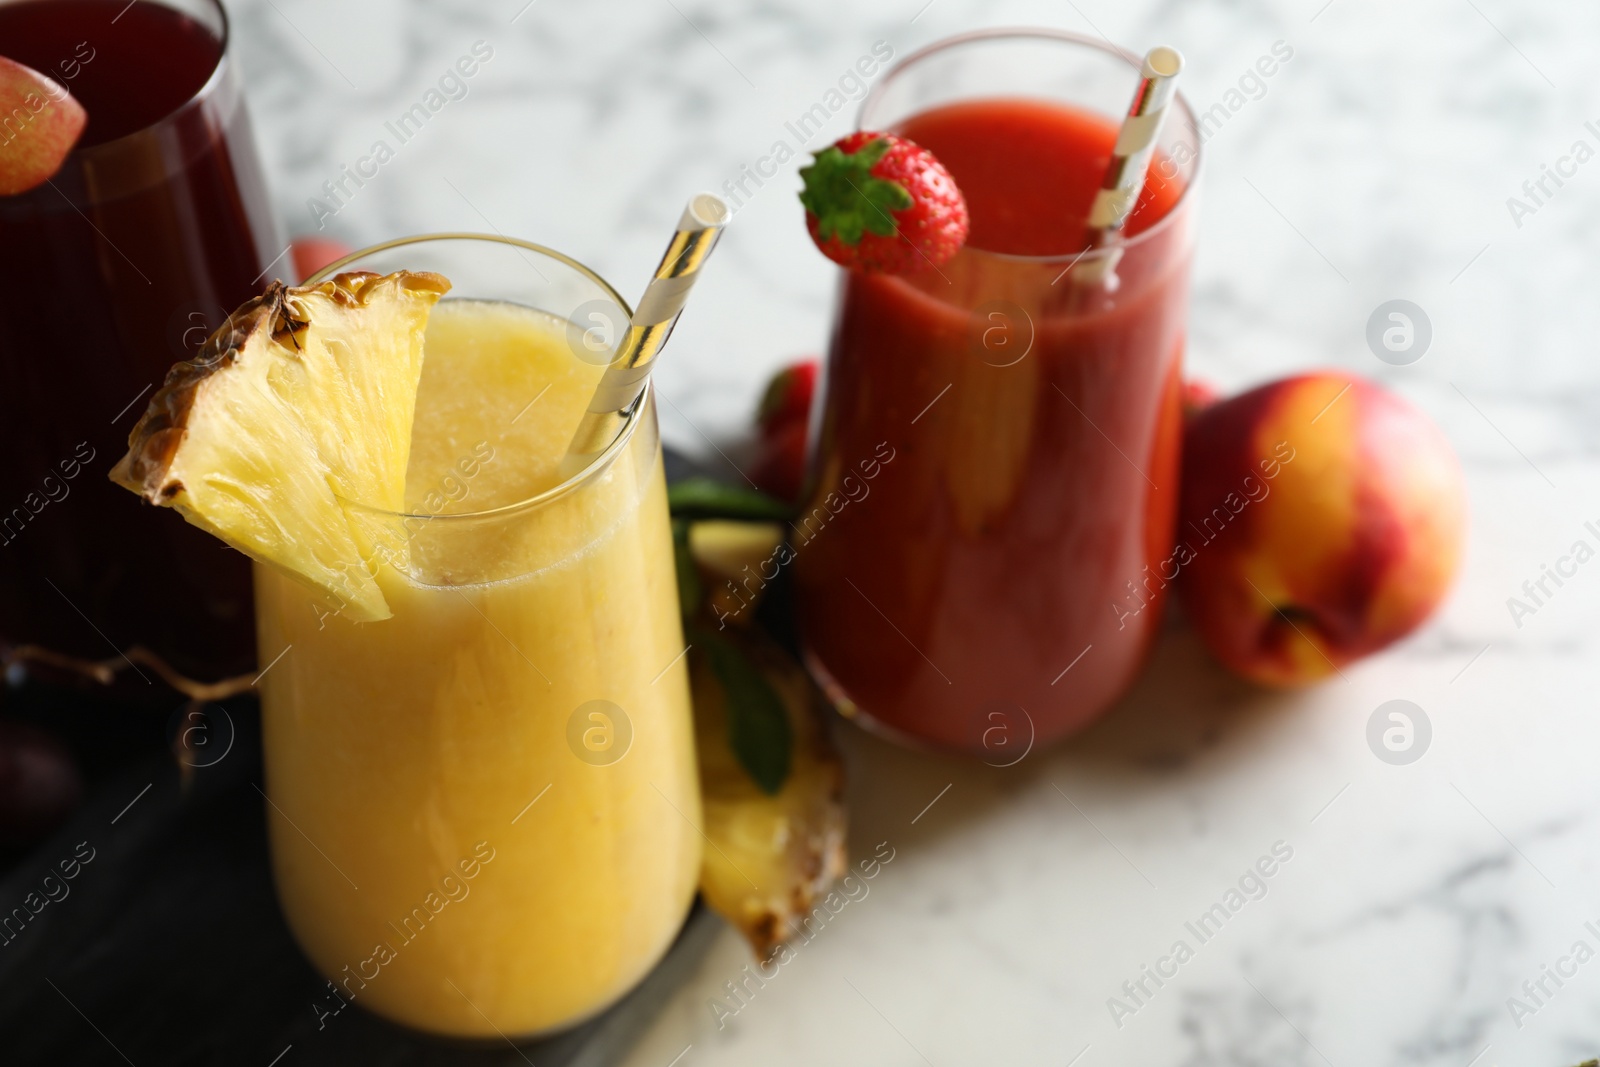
(981, 562)
(155, 228)
(484, 810)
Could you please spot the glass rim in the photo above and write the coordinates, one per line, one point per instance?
(206, 91)
(596, 464)
(994, 33)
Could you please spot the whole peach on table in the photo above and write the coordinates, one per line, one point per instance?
(1322, 518)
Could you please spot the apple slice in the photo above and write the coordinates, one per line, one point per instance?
(39, 124)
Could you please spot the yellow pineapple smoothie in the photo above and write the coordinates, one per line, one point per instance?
(484, 810)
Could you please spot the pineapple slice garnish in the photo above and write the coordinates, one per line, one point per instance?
(291, 425)
(774, 857)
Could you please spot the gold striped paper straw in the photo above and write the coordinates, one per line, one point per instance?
(629, 370)
(1130, 160)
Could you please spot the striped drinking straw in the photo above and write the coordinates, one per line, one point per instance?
(1130, 160)
(625, 376)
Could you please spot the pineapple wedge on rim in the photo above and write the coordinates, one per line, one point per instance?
(294, 417)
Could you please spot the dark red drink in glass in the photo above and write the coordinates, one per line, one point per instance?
(995, 581)
(156, 227)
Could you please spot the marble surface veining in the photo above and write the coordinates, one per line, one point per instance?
(1376, 164)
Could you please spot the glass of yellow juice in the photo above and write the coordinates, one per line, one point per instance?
(484, 811)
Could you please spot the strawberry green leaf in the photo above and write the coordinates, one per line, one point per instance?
(847, 200)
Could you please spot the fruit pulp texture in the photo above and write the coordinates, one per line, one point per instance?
(122, 265)
(397, 747)
(1035, 435)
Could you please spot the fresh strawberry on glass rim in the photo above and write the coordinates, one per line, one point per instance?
(882, 204)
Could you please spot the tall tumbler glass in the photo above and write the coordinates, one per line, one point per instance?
(484, 811)
(983, 560)
(154, 229)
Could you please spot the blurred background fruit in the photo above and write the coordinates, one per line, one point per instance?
(40, 784)
(311, 254)
(1198, 394)
(782, 422)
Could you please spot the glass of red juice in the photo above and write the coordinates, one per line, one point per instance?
(982, 562)
(153, 230)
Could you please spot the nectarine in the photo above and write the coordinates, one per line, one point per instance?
(1321, 519)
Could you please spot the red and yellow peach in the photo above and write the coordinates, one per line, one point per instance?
(1322, 517)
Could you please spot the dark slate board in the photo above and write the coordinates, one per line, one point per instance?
(168, 947)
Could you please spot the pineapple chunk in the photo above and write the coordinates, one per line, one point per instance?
(772, 857)
(292, 425)
(738, 559)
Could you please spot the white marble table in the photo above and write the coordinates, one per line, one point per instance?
(1377, 165)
